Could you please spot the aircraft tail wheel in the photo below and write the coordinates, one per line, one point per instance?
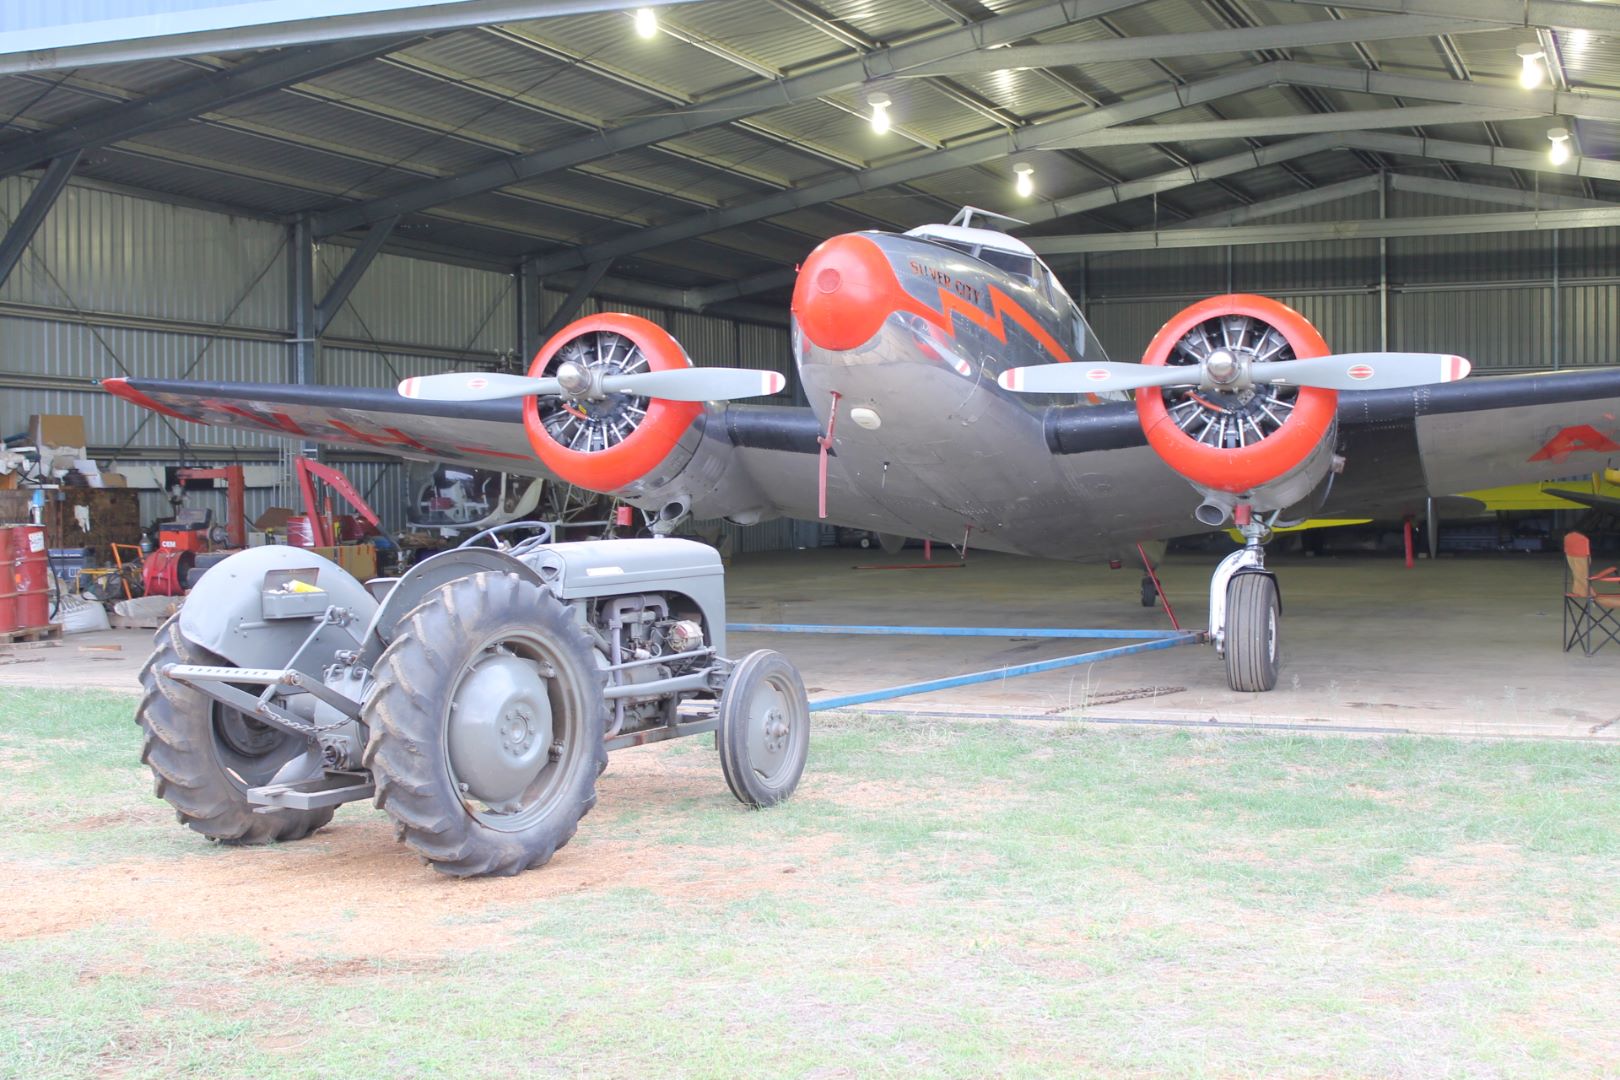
(1253, 653)
(1150, 592)
(764, 734)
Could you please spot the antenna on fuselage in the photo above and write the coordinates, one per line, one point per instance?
(964, 218)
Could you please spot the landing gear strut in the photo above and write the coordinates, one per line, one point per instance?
(1245, 609)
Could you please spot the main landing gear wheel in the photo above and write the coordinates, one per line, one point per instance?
(1150, 592)
(486, 726)
(764, 734)
(1252, 651)
(204, 756)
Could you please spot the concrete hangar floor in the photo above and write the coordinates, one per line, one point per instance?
(1466, 645)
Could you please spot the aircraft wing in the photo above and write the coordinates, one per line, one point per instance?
(761, 460)
(486, 434)
(1402, 447)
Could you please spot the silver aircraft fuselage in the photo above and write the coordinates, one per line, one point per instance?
(910, 333)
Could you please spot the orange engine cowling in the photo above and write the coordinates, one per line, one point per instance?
(609, 444)
(1268, 446)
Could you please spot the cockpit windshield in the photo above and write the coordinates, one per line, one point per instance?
(1010, 261)
(1013, 257)
(1006, 253)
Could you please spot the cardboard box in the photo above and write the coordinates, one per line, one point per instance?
(274, 519)
(51, 430)
(358, 559)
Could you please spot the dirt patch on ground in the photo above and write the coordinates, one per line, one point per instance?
(353, 890)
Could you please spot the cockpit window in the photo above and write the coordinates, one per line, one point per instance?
(1010, 261)
(955, 245)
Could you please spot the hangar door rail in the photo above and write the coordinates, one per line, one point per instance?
(1143, 641)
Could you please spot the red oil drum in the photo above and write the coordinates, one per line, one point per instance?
(32, 570)
(8, 587)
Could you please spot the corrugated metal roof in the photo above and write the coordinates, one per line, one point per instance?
(468, 99)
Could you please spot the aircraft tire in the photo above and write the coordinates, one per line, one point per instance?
(1253, 649)
(486, 726)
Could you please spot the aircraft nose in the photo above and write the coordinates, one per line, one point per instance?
(844, 291)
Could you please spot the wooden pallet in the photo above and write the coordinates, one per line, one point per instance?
(53, 632)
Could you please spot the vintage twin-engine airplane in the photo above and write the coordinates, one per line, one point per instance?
(957, 391)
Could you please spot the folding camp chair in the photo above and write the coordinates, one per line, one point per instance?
(1591, 615)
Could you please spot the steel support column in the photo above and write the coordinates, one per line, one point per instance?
(32, 215)
(1383, 262)
(351, 273)
(301, 297)
(528, 312)
(576, 296)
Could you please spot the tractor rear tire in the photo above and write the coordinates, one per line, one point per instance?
(204, 756)
(527, 732)
(1253, 651)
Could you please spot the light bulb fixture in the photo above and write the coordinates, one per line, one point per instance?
(1559, 151)
(646, 22)
(1531, 56)
(880, 111)
(1025, 184)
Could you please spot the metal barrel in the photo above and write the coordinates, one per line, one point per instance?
(8, 586)
(32, 572)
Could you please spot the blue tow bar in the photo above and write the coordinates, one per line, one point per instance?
(1147, 641)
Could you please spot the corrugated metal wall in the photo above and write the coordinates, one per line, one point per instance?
(117, 285)
(1507, 301)
(114, 284)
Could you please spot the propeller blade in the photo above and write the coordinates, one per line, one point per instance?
(1365, 371)
(475, 386)
(1341, 371)
(1092, 378)
(697, 383)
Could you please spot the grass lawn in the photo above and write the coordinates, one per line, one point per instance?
(936, 901)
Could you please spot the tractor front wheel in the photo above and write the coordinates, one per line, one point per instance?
(764, 734)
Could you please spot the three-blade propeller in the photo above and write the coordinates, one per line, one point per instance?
(571, 380)
(1223, 371)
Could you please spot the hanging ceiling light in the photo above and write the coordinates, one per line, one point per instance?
(1559, 151)
(1531, 56)
(646, 22)
(880, 111)
(1025, 185)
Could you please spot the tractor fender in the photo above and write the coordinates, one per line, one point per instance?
(411, 589)
(225, 612)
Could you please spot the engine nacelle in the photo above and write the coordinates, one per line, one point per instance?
(620, 440)
(1268, 446)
